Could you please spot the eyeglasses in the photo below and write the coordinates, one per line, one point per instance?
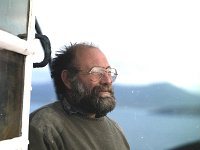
(97, 73)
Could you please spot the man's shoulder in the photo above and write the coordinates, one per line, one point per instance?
(46, 113)
(113, 123)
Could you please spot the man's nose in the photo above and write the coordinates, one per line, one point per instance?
(106, 78)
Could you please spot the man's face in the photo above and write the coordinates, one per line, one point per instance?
(87, 95)
(91, 100)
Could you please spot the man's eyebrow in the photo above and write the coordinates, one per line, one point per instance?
(108, 67)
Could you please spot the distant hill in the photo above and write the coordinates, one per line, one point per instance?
(162, 94)
(162, 98)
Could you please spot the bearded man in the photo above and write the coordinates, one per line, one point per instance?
(78, 120)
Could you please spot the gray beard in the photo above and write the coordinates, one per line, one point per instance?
(88, 101)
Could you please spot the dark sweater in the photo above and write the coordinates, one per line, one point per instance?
(51, 128)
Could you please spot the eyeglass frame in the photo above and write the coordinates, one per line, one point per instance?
(99, 74)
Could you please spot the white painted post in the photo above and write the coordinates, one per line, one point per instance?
(24, 47)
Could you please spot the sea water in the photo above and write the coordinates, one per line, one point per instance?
(148, 131)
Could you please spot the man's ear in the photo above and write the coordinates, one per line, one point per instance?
(65, 78)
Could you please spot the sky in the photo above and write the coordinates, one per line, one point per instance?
(147, 41)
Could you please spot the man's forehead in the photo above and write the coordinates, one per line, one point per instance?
(88, 53)
(89, 57)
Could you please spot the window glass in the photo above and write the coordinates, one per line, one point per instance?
(11, 85)
(14, 16)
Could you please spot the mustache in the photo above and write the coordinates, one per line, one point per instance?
(103, 88)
